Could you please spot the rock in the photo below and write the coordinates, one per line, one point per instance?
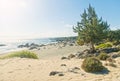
(20, 46)
(110, 50)
(76, 68)
(78, 54)
(84, 54)
(33, 47)
(2, 45)
(42, 45)
(110, 60)
(60, 74)
(64, 58)
(38, 48)
(115, 55)
(30, 46)
(63, 65)
(53, 73)
(29, 65)
(71, 56)
(26, 45)
(71, 44)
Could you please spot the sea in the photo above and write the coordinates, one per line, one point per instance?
(12, 44)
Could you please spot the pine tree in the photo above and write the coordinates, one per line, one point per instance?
(91, 29)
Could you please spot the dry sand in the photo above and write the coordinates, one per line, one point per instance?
(21, 69)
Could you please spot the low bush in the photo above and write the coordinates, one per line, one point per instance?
(102, 56)
(22, 54)
(105, 45)
(80, 42)
(92, 64)
(116, 42)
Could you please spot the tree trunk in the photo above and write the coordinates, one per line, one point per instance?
(92, 48)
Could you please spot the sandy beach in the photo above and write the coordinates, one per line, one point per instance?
(22, 69)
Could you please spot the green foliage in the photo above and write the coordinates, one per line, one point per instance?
(92, 64)
(80, 42)
(104, 45)
(114, 35)
(91, 29)
(116, 42)
(22, 54)
(103, 56)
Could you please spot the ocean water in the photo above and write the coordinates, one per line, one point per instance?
(12, 44)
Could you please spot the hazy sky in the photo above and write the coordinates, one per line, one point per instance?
(50, 18)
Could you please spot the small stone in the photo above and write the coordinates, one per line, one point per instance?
(63, 65)
(60, 74)
(53, 73)
(64, 58)
(71, 56)
(29, 65)
(76, 68)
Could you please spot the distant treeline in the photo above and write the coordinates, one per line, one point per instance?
(61, 39)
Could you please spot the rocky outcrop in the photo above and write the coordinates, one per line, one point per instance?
(31, 46)
(2, 45)
(110, 50)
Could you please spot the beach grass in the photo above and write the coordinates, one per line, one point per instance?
(21, 54)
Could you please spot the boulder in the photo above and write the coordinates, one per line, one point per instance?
(22, 46)
(26, 45)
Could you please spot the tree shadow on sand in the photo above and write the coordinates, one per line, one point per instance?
(104, 71)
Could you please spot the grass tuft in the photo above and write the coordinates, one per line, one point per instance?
(21, 54)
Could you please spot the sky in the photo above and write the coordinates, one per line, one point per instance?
(51, 18)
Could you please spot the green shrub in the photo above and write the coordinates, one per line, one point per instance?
(92, 64)
(116, 42)
(22, 54)
(80, 42)
(105, 45)
(103, 56)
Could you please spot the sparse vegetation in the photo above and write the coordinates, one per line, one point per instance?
(80, 42)
(114, 36)
(21, 54)
(104, 45)
(103, 56)
(92, 64)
